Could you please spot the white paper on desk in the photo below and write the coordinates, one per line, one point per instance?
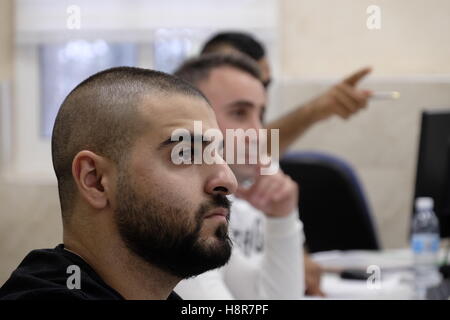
(361, 259)
(393, 287)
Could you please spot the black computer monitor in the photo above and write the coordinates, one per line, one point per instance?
(433, 165)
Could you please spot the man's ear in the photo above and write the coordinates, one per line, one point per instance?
(90, 173)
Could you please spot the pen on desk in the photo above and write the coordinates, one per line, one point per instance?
(385, 95)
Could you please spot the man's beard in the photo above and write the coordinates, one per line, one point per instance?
(167, 236)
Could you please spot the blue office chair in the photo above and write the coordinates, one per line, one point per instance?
(332, 205)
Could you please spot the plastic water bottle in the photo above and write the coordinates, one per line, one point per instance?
(425, 245)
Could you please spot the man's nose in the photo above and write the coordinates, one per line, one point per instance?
(221, 181)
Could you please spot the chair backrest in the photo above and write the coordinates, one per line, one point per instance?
(332, 205)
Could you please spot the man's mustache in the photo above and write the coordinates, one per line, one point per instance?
(218, 200)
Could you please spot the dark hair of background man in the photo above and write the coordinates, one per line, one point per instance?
(241, 41)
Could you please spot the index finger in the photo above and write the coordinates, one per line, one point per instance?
(357, 76)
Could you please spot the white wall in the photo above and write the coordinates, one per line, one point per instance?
(329, 37)
(29, 214)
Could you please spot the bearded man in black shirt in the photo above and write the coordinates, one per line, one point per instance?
(134, 222)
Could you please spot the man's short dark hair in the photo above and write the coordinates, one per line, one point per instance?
(102, 115)
(241, 41)
(198, 69)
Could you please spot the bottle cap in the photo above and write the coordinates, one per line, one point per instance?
(424, 203)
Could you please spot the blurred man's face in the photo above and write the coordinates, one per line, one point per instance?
(239, 100)
(173, 216)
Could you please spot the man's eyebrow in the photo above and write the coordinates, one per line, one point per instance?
(245, 104)
(242, 103)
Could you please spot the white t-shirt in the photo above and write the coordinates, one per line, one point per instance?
(266, 262)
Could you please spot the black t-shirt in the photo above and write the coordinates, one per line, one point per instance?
(43, 274)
